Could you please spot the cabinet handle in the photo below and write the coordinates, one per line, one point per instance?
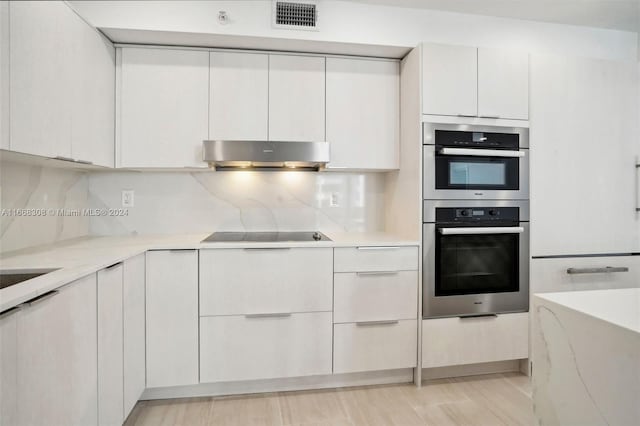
(41, 298)
(61, 158)
(369, 323)
(479, 316)
(490, 116)
(604, 270)
(377, 273)
(9, 312)
(378, 248)
(637, 189)
(270, 315)
(113, 266)
(266, 248)
(84, 162)
(466, 115)
(178, 250)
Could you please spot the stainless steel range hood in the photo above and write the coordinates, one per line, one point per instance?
(265, 155)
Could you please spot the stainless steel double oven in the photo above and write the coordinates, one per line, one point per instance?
(475, 220)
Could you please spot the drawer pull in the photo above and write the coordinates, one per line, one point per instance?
(270, 315)
(266, 248)
(606, 269)
(378, 248)
(369, 323)
(113, 266)
(479, 316)
(9, 312)
(41, 298)
(377, 273)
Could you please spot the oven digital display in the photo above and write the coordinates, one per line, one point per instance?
(477, 212)
(477, 173)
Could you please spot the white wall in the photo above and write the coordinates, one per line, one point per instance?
(350, 22)
(180, 202)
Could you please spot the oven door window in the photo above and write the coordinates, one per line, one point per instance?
(476, 264)
(468, 172)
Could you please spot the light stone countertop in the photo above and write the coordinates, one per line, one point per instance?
(81, 257)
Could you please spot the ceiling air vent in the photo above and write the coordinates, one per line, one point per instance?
(299, 15)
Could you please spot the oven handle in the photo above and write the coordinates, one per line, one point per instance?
(481, 152)
(483, 230)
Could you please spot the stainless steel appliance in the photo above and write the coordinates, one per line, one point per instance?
(265, 237)
(475, 257)
(465, 162)
(265, 155)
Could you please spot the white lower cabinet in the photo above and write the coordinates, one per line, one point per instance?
(57, 357)
(133, 300)
(245, 347)
(375, 345)
(473, 340)
(110, 346)
(8, 366)
(172, 317)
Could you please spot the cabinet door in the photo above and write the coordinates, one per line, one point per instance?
(93, 122)
(503, 84)
(449, 80)
(42, 46)
(172, 318)
(296, 98)
(134, 329)
(57, 357)
(164, 112)
(4, 75)
(110, 346)
(8, 366)
(238, 96)
(363, 113)
(583, 153)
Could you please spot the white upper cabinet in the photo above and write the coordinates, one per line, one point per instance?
(503, 84)
(475, 82)
(4, 75)
(239, 96)
(363, 113)
(449, 80)
(583, 156)
(296, 98)
(62, 84)
(163, 107)
(42, 46)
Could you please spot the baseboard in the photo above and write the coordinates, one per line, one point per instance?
(281, 385)
(472, 369)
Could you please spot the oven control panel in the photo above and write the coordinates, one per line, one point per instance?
(477, 214)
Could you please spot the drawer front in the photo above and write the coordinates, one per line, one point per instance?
(457, 341)
(243, 348)
(371, 347)
(548, 275)
(367, 296)
(249, 281)
(361, 259)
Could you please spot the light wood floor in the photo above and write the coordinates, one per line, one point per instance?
(491, 400)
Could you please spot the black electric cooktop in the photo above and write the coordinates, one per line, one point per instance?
(264, 237)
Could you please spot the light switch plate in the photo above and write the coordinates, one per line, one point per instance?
(333, 200)
(127, 197)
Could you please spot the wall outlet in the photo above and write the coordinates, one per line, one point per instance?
(127, 197)
(333, 200)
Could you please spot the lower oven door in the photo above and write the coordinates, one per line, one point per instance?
(475, 270)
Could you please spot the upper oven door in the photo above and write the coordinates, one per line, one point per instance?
(475, 163)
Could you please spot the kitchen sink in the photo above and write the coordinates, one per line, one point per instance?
(11, 277)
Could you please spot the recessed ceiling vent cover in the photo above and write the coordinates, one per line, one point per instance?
(298, 15)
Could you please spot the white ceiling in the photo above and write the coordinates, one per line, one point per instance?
(613, 14)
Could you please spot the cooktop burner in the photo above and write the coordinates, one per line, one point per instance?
(264, 237)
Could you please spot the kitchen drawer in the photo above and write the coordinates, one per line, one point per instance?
(367, 296)
(388, 258)
(548, 275)
(250, 348)
(255, 281)
(458, 341)
(371, 346)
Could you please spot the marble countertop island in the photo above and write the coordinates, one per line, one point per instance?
(586, 357)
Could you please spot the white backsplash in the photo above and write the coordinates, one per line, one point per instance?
(24, 187)
(183, 202)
